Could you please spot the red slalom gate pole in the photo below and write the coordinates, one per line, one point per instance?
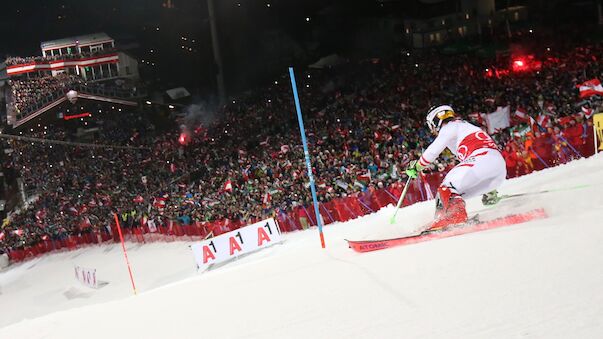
(123, 247)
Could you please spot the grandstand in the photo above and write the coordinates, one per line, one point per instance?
(208, 177)
(89, 65)
(198, 145)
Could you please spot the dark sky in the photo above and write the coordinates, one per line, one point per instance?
(31, 21)
(177, 41)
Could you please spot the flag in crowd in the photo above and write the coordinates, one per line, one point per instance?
(590, 88)
(499, 119)
(364, 177)
(159, 203)
(563, 121)
(519, 131)
(521, 115)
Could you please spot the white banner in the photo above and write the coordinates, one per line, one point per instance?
(87, 276)
(235, 243)
(498, 119)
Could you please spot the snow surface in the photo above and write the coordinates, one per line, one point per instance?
(542, 279)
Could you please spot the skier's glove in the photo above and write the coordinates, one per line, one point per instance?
(413, 169)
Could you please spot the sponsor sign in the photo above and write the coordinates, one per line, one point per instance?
(230, 245)
(87, 276)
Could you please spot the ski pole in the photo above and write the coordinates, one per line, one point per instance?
(393, 218)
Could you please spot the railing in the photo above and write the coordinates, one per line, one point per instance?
(111, 92)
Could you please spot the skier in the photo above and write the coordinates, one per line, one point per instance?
(481, 169)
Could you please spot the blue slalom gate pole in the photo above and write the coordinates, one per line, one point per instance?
(307, 155)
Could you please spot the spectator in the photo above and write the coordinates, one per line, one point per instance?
(362, 117)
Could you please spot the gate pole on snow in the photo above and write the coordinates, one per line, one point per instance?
(307, 155)
(123, 247)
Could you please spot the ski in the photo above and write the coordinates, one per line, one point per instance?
(473, 225)
(470, 221)
(523, 194)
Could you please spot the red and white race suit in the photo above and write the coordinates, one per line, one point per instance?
(482, 167)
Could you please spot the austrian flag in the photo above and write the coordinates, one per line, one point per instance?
(364, 177)
(521, 115)
(590, 88)
(159, 203)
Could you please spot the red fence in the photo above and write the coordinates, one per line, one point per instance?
(535, 154)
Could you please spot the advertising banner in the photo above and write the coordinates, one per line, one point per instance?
(87, 276)
(235, 243)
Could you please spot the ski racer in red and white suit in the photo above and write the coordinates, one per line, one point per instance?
(481, 169)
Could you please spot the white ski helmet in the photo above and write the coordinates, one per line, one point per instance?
(436, 115)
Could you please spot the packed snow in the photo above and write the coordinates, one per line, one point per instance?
(542, 279)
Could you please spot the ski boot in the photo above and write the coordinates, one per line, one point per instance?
(450, 209)
(491, 198)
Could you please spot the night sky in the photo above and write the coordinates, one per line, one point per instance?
(257, 36)
(177, 40)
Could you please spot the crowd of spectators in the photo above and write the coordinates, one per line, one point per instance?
(13, 60)
(364, 121)
(28, 93)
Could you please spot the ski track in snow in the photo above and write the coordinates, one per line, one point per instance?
(542, 279)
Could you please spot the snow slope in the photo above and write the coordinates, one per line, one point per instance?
(542, 279)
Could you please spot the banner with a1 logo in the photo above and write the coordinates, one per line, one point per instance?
(235, 243)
